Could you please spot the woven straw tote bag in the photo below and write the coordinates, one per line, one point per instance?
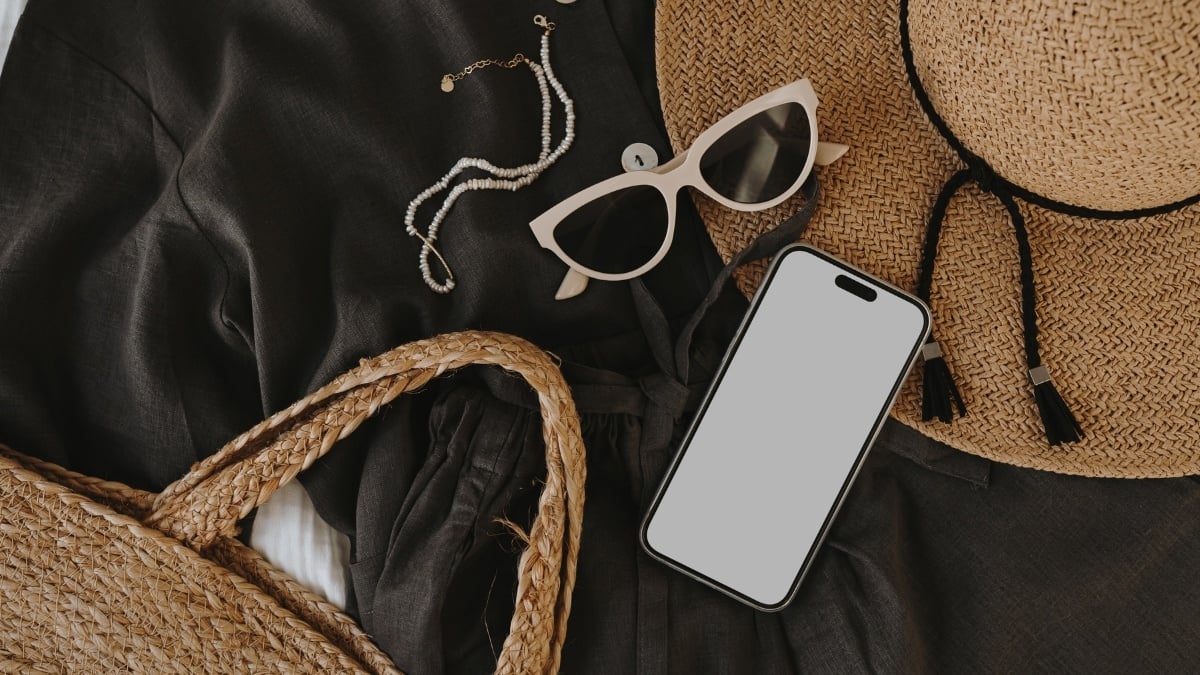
(100, 577)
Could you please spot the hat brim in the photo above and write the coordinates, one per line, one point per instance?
(1118, 301)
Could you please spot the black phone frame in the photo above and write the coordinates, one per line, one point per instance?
(871, 281)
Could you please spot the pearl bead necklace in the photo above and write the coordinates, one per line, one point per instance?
(503, 178)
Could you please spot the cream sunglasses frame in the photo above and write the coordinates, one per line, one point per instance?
(680, 172)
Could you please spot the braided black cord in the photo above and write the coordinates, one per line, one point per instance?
(1028, 301)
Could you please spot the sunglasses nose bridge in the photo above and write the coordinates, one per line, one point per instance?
(678, 174)
(671, 164)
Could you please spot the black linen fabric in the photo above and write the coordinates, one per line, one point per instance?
(202, 209)
(939, 562)
(201, 220)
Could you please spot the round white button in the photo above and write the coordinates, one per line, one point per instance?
(639, 157)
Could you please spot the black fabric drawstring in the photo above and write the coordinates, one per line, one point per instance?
(674, 360)
(667, 388)
(764, 245)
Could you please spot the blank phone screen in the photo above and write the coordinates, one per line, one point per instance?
(798, 401)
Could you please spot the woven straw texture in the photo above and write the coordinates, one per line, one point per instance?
(1118, 301)
(1090, 104)
(103, 578)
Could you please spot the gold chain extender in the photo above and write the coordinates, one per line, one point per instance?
(450, 78)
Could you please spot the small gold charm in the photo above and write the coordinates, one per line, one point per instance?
(447, 84)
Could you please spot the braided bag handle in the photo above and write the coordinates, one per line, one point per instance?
(207, 502)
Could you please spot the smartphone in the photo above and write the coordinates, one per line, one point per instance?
(801, 394)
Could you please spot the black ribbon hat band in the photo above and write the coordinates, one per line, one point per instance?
(940, 396)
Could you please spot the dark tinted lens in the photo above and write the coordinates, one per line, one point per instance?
(762, 157)
(616, 233)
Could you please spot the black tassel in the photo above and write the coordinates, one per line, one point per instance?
(1061, 425)
(939, 395)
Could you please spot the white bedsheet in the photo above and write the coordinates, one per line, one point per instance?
(289, 533)
(287, 530)
(10, 11)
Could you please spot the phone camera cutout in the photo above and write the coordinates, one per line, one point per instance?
(851, 286)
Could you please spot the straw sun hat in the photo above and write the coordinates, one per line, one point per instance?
(1031, 168)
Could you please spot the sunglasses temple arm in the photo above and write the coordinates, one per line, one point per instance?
(573, 284)
(828, 153)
